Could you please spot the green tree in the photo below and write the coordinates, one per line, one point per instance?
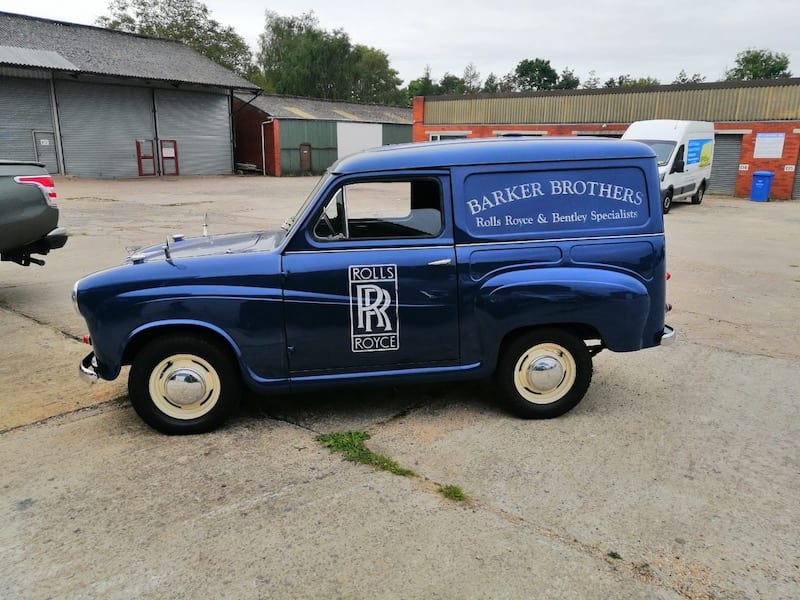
(297, 57)
(645, 81)
(508, 83)
(374, 80)
(759, 64)
(275, 43)
(628, 81)
(491, 85)
(451, 84)
(618, 81)
(472, 79)
(536, 74)
(593, 82)
(423, 86)
(682, 78)
(186, 21)
(567, 80)
(320, 64)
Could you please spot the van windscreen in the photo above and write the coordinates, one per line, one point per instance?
(662, 148)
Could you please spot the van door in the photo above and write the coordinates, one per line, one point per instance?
(681, 177)
(372, 283)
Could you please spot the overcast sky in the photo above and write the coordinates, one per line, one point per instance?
(611, 37)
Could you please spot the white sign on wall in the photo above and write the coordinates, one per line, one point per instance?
(769, 145)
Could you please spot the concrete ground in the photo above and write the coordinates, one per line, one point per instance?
(676, 477)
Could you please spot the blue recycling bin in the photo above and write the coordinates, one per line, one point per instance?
(762, 182)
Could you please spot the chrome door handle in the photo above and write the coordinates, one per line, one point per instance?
(436, 263)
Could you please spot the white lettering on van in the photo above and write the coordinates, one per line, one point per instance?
(557, 187)
(599, 189)
(495, 198)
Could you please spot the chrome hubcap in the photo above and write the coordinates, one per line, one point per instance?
(184, 387)
(545, 373)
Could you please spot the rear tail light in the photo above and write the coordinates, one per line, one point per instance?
(45, 184)
(668, 306)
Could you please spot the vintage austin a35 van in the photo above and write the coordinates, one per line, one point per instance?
(513, 258)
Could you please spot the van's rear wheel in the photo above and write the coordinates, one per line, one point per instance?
(183, 384)
(666, 202)
(544, 373)
(698, 196)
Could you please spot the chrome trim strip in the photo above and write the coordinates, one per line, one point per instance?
(374, 249)
(559, 240)
(474, 244)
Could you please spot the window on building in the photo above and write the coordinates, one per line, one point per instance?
(437, 137)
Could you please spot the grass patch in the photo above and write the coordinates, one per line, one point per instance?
(351, 445)
(453, 492)
(614, 555)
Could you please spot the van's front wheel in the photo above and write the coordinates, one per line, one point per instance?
(544, 373)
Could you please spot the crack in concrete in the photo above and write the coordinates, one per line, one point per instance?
(98, 407)
(53, 328)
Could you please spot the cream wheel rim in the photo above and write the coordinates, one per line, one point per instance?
(545, 373)
(184, 386)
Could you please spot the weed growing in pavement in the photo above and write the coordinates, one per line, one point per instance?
(453, 492)
(351, 445)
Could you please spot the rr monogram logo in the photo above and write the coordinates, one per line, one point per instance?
(373, 302)
(374, 325)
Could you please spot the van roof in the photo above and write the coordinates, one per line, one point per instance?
(486, 151)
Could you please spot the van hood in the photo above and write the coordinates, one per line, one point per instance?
(215, 245)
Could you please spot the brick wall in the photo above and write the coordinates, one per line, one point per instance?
(782, 183)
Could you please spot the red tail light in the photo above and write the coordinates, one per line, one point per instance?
(87, 339)
(669, 276)
(45, 183)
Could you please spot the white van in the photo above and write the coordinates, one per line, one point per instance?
(684, 151)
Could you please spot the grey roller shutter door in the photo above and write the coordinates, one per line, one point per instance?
(25, 108)
(725, 167)
(200, 123)
(100, 125)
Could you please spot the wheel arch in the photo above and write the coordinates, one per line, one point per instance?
(582, 331)
(140, 337)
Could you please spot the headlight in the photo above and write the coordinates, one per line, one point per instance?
(75, 297)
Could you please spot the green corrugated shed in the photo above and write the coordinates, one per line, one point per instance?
(321, 135)
(396, 134)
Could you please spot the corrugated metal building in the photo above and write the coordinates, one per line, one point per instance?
(93, 102)
(757, 123)
(287, 135)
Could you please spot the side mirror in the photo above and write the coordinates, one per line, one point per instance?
(677, 166)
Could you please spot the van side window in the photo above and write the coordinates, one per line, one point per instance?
(382, 210)
(678, 164)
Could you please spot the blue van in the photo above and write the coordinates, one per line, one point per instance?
(516, 258)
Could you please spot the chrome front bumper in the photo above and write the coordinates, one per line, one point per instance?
(88, 368)
(668, 336)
